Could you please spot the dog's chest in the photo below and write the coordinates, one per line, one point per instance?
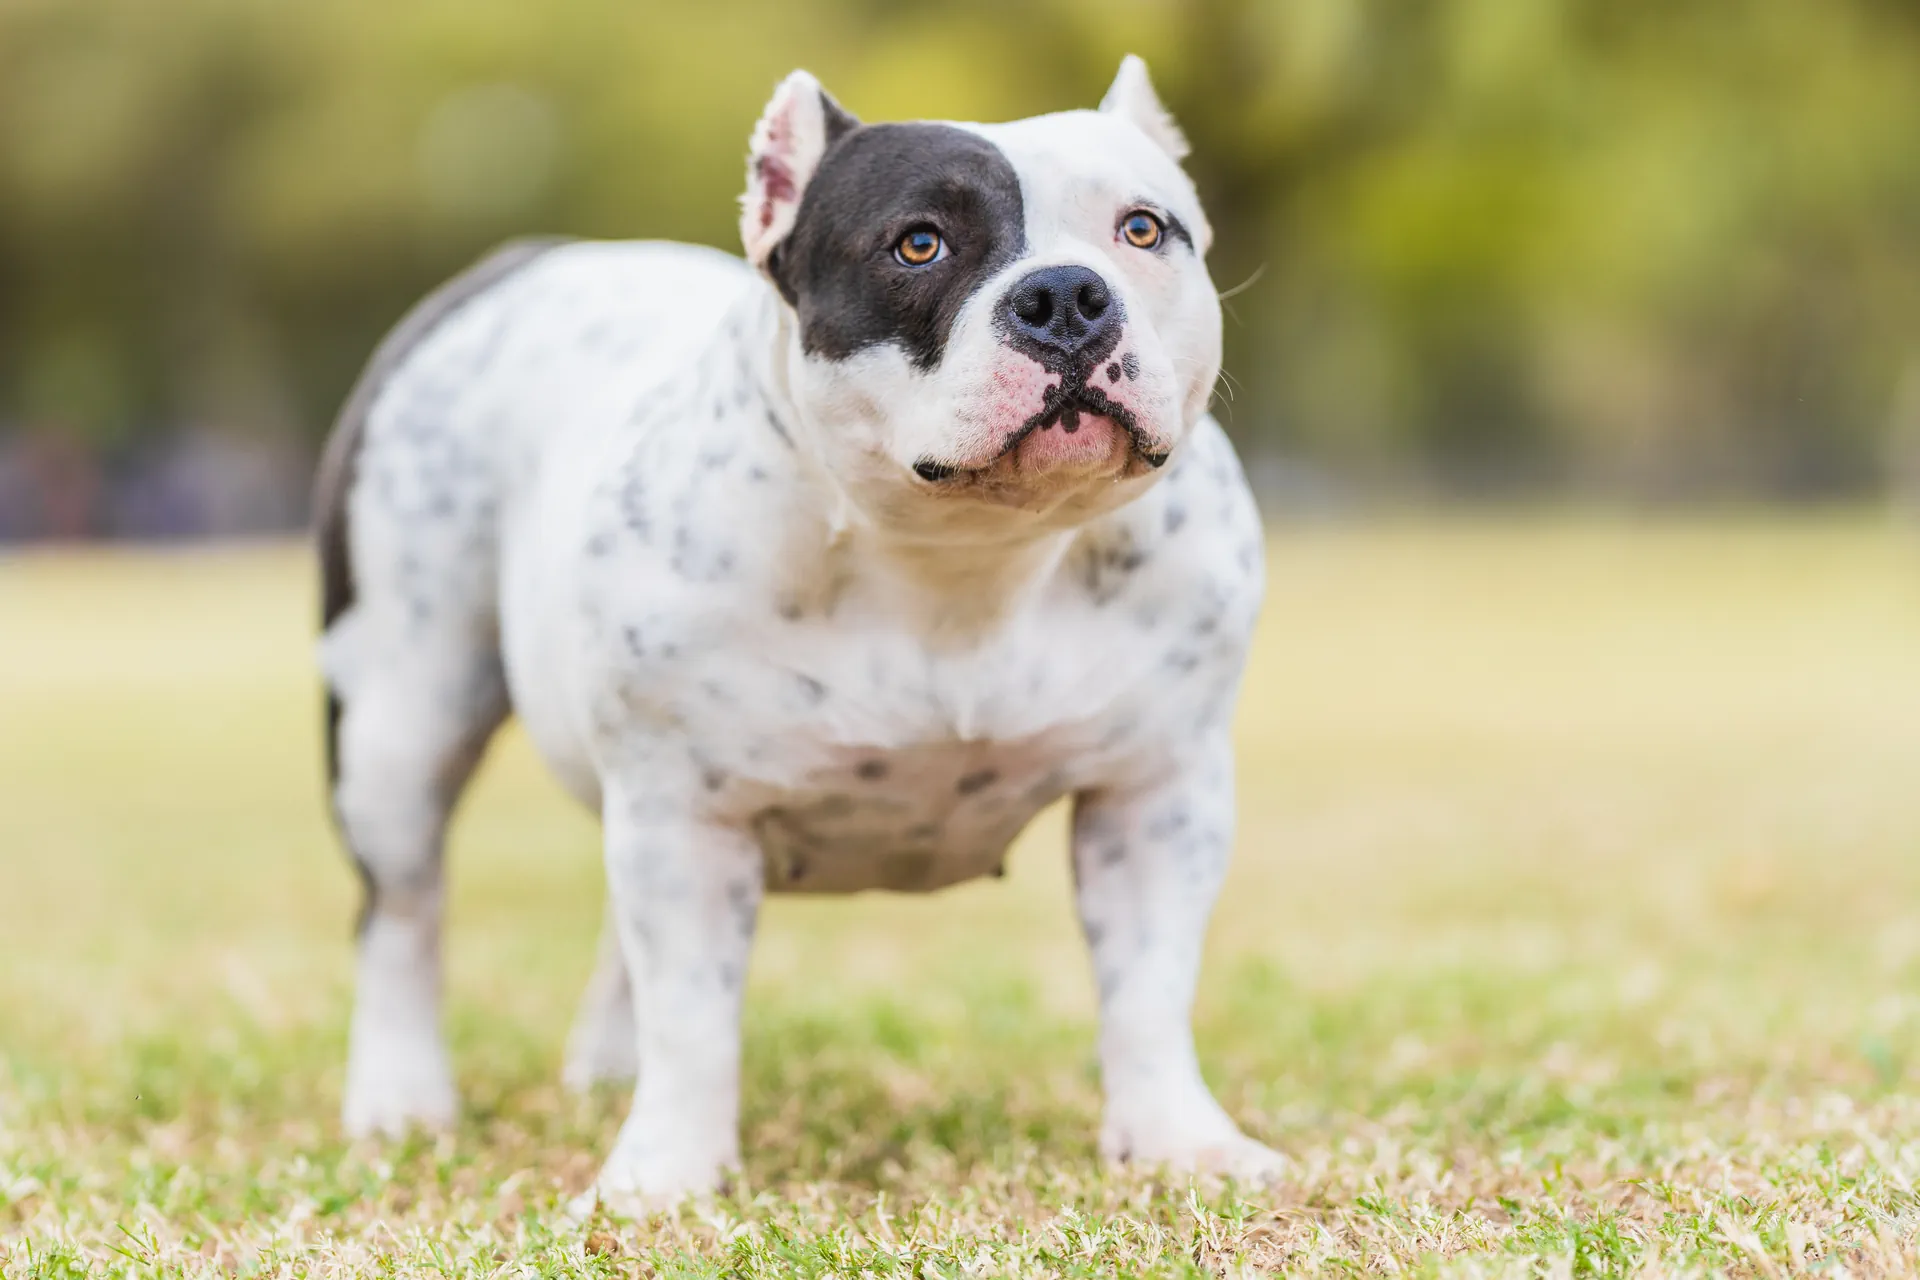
(912, 818)
(876, 767)
(826, 707)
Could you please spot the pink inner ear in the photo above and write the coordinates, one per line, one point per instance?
(776, 179)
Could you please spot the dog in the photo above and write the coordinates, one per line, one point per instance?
(819, 572)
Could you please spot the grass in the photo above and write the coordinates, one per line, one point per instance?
(1575, 930)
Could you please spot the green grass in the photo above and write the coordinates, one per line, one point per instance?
(1575, 929)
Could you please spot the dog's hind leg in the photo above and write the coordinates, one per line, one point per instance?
(410, 734)
(407, 507)
(417, 689)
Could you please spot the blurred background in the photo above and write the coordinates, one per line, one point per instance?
(1651, 252)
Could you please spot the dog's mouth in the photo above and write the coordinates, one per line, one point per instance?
(1065, 408)
(1063, 405)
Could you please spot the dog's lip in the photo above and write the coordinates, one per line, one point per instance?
(940, 475)
(1078, 398)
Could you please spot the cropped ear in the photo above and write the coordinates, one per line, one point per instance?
(1131, 97)
(801, 121)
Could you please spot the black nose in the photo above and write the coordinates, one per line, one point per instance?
(1068, 310)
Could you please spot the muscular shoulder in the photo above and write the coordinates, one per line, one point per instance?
(1188, 553)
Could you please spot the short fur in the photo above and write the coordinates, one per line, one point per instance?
(335, 476)
(817, 572)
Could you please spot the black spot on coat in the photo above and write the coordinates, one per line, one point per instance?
(979, 780)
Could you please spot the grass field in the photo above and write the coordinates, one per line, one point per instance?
(1575, 929)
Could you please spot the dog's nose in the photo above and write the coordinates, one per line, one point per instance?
(1065, 309)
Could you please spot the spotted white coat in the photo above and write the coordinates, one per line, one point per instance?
(659, 504)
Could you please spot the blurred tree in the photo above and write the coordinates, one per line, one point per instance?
(1644, 248)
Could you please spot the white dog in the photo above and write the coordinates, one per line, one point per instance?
(821, 572)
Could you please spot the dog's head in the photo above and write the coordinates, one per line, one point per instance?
(987, 316)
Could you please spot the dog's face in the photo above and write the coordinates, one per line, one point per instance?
(987, 316)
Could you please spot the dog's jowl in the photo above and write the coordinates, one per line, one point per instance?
(817, 572)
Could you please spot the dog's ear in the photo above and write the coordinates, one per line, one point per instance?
(1131, 97)
(801, 121)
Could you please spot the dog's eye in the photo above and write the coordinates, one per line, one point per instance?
(920, 246)
(1142, 229)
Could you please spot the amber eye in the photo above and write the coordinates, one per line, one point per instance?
(1142, 229)
(919, 247)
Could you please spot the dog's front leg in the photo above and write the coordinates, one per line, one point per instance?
(1148, 863)
(684, 894)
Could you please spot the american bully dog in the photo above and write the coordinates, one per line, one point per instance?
(818, 571)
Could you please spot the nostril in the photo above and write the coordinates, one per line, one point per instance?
(1092, 299)
(1035, 306)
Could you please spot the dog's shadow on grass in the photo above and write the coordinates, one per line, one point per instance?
(864, 1096)
(867, 1096)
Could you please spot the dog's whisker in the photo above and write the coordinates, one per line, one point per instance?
(1251, 280)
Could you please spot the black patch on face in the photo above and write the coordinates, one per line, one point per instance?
(876, 183)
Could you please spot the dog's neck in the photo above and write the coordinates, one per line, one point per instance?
(956, 578)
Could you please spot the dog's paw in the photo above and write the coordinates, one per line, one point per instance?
(1238, 1157)
(632, 1206)
(391, 1093)
(631, 1190)
(1214, 1145)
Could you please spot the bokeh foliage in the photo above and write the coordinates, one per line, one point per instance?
(1657, 247)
